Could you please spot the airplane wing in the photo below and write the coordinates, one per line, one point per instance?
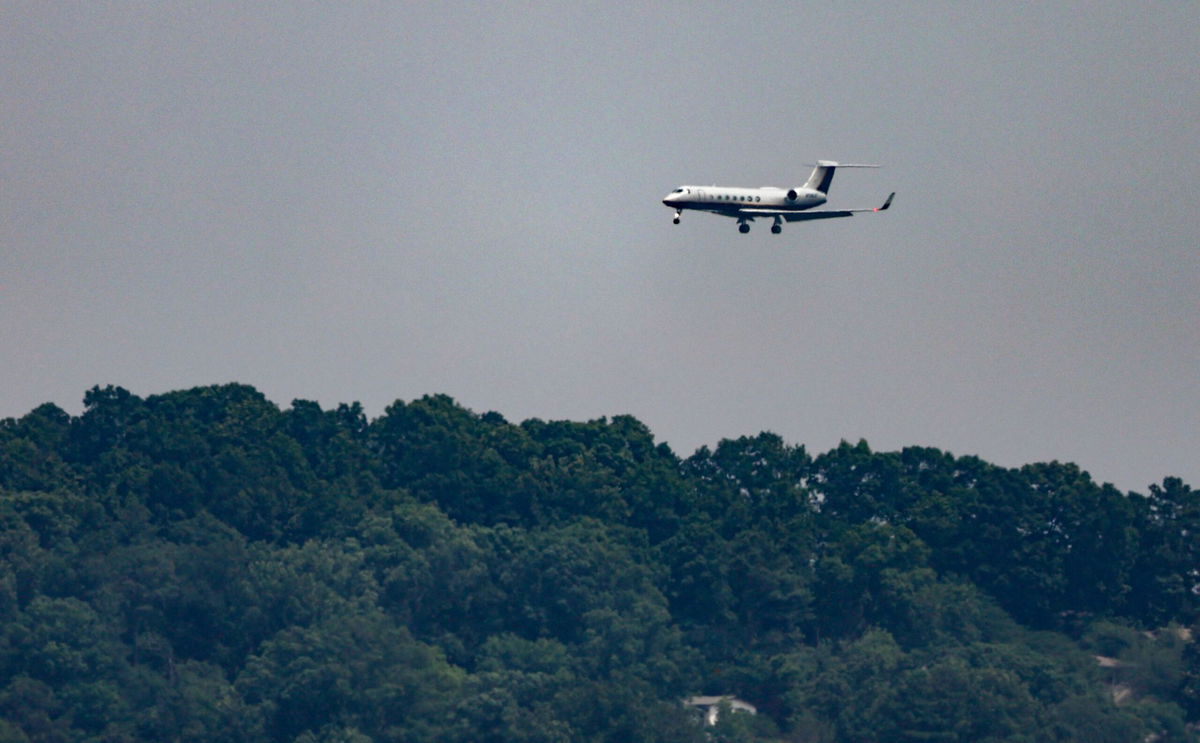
(795, 216)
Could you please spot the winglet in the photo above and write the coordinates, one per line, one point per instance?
(887, 203)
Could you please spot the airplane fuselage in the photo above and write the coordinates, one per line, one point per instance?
(732, 200)
(768, 202)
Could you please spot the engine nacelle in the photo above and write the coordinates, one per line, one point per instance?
(792, 194)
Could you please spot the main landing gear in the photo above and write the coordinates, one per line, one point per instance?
(776, 228)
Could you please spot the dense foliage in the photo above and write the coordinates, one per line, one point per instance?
(203, 566)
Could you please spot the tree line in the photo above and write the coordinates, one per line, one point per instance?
(203, 565)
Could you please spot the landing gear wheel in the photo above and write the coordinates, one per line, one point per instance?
(743, 228)
(776, 229)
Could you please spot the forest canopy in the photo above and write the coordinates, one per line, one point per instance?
(203, 565)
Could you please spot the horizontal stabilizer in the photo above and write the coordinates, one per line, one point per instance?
(822, 174)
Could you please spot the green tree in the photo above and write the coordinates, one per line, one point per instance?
(1166, 579)
(31, 450)
(953, 702)
(869, 577)
(1090, 718)
(846, 683)
(357, 671)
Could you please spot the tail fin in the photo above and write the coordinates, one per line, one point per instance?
(822, 175)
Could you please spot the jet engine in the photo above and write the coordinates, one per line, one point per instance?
(792, 194)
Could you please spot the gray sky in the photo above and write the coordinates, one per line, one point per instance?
(376, 201)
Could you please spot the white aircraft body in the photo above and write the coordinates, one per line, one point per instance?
(778, 204)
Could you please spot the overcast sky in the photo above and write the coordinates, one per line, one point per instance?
(376, 201)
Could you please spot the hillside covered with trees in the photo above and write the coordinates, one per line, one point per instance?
(205, 566)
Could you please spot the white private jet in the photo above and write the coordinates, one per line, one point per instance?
(781, 205)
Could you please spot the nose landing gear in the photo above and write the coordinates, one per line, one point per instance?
(676, 219)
